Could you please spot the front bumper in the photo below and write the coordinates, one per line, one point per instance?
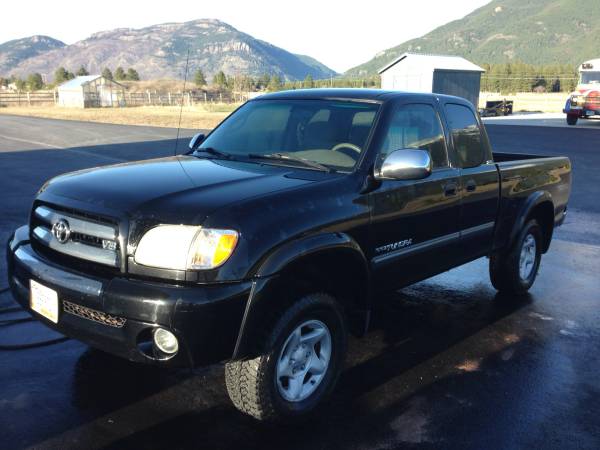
(582, 110)
(582, 113)
(118, 315)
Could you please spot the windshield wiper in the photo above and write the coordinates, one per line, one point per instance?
(214, 152)
(294, 159)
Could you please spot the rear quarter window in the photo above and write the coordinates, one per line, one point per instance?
(466, 135)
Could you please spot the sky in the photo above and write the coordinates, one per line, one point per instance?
(340, 34)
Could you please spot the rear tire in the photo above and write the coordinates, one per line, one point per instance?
(301, 359)
(572, 119)
(514, 272)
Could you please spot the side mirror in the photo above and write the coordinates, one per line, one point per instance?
(196, 141)
(405, 164)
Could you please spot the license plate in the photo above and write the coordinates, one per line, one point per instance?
(43, 300)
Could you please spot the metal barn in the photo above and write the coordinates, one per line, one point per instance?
(451, 75)
(91, 91)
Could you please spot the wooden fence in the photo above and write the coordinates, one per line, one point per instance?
(28, 98)
(147, 98)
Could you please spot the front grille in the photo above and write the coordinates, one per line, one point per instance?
(93, 315)
(94, 241)
(74, 264)
(86, 238)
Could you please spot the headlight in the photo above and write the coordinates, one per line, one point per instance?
(577, 99)
(184, 247)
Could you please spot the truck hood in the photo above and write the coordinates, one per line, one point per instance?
(185, 189)
(586, 88)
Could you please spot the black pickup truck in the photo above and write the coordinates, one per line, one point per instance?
(276, 235)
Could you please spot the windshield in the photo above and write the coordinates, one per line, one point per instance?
(332, 133)
(590, 77)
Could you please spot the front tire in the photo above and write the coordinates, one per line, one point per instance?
(572, 119)
(514, 272)
(301, 360)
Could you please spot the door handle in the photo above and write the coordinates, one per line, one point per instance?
(450, 189)
(471, 185)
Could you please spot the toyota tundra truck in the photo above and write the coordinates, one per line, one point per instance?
(276, 235)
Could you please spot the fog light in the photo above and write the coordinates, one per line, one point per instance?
(166, 341)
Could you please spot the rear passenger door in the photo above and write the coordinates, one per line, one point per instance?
(479, 182)
(414, 227)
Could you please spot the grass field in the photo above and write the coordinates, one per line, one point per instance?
(195, 117)
(208, 116)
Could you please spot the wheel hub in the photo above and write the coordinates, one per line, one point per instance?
(303, 360)
(527, 257)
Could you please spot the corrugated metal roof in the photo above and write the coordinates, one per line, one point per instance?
(78, 81)
(432, 62)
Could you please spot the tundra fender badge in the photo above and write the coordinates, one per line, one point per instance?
(393, 246)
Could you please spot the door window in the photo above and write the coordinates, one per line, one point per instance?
(417, 126)
(466, 135)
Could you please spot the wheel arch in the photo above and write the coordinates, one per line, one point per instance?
(538, 206)
(330, 262)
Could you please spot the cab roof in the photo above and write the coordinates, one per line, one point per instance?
(378, 95)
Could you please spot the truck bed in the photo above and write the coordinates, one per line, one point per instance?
(520, 176)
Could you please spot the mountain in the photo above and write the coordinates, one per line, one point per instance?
(319, 66)
(531, 31)
(160, 51)
(12, 53)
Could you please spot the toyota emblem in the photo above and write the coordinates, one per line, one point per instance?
(61, 231)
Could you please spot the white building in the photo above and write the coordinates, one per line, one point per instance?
(450, 75)
(91, 91)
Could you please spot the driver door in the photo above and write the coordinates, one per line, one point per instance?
(415, 231)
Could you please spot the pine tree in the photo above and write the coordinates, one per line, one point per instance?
(220, 79)
(82, 72)
(264, 81)
(61, 75)
(132, 75)
(308, 82)
(275, 84)
(120, 74)
(21, 84)
(529, 78)
(199, 78)
(106, 73)
(35, 82)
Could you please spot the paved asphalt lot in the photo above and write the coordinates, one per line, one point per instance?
(542, 120)
(450, 365)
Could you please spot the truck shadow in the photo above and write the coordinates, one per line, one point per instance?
(405, 361)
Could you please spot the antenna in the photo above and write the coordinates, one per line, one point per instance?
(187, 61)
